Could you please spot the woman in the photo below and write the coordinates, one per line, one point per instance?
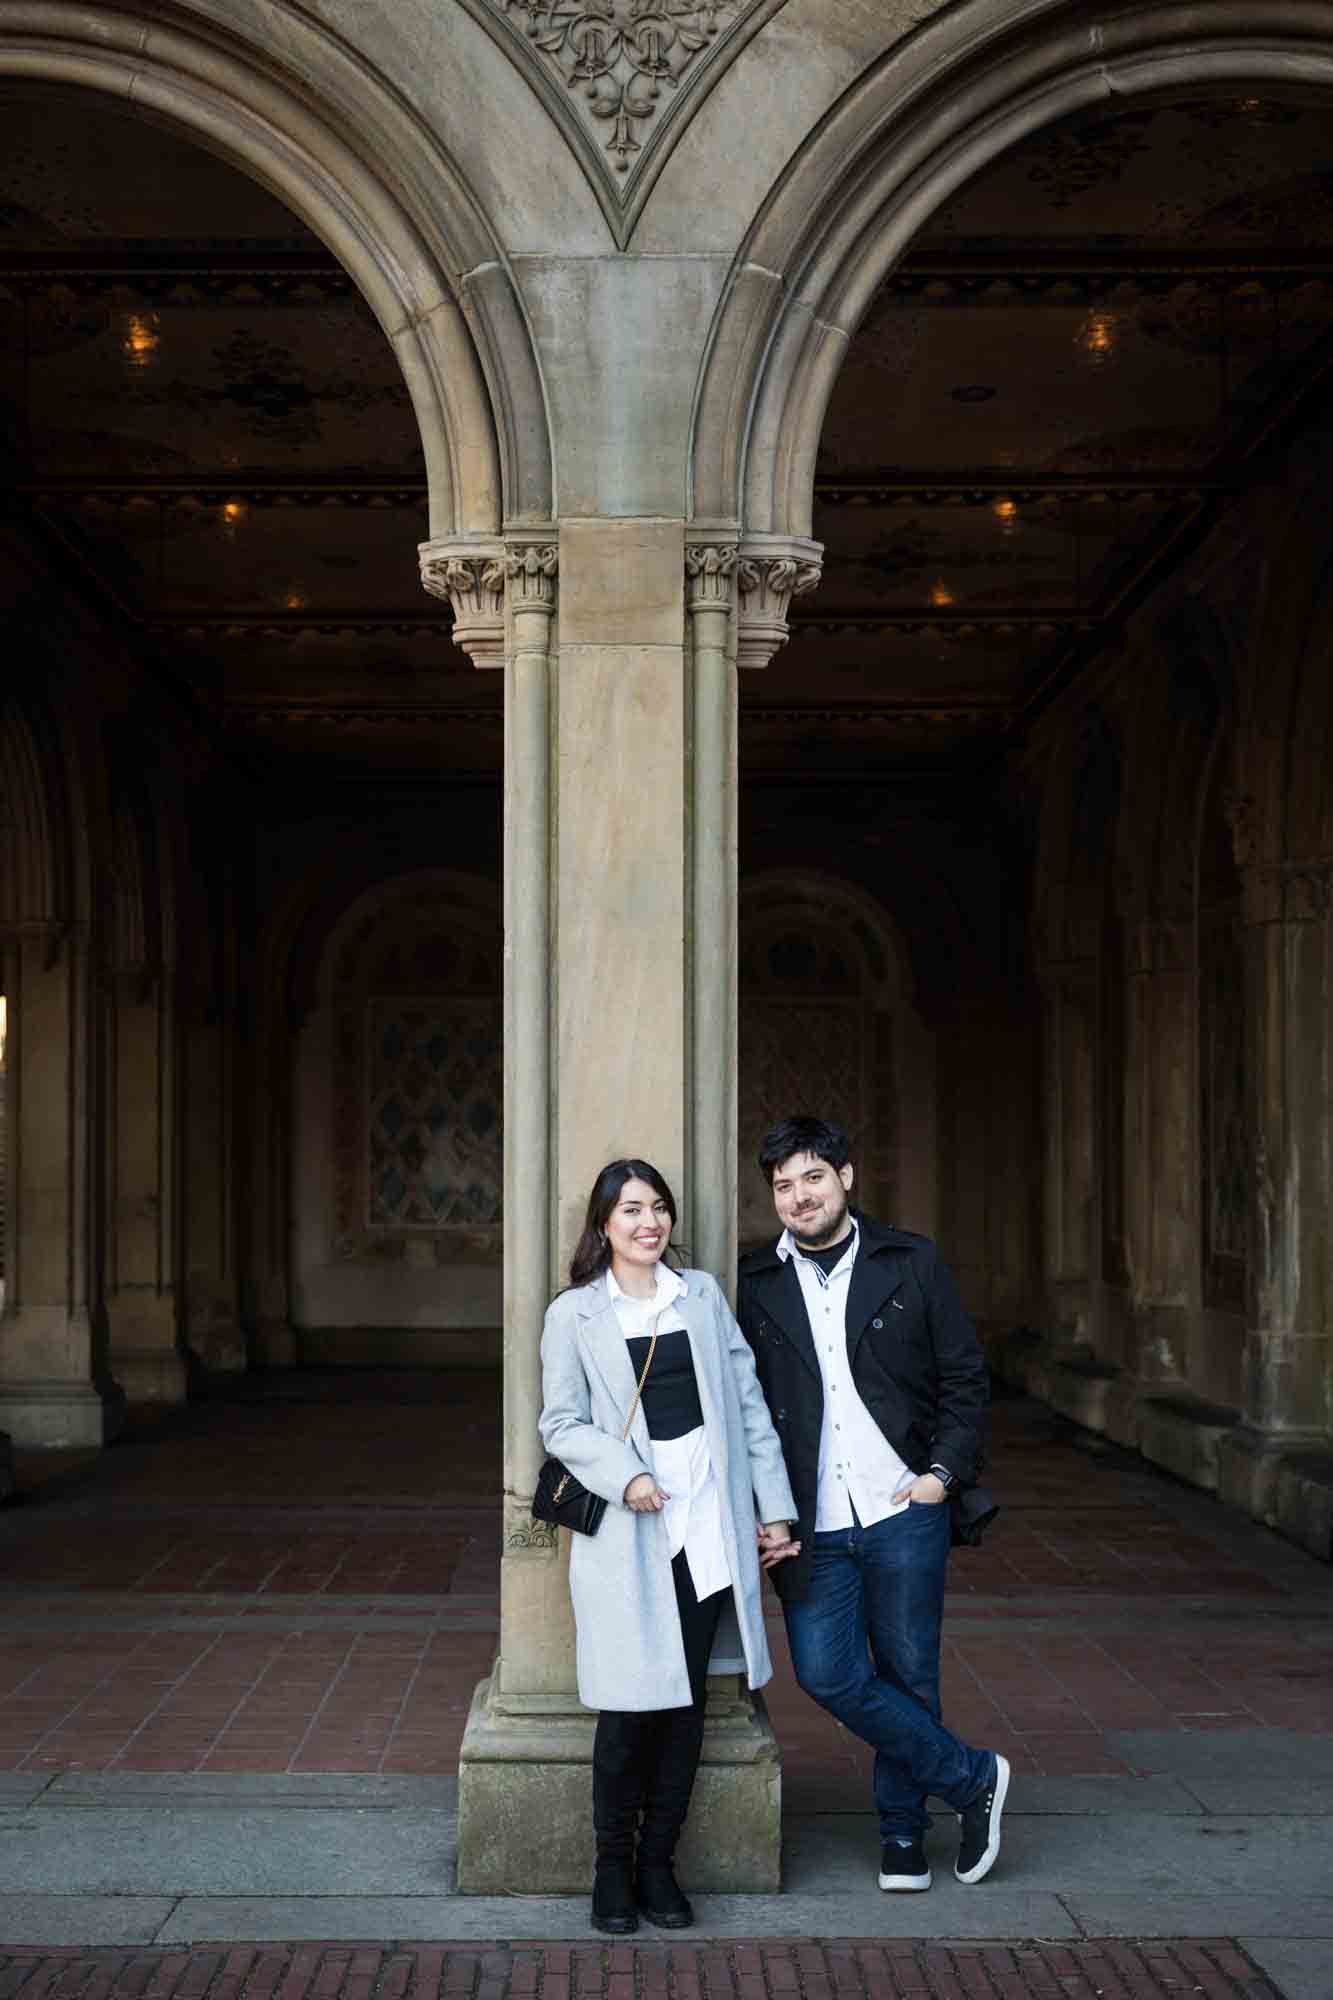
(670, 1581)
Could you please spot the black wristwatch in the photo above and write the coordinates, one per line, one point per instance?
(947, 1479)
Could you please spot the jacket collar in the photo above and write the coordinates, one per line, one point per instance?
(877, 1273)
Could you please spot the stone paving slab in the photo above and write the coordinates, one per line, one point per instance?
(1003, 1913)
(230, 1789)
(1301, 1967)
(848, 1968)
(262, 1850)
(805, 1796)
(89, 1920)
(1264, 1916)
(1223, 1754)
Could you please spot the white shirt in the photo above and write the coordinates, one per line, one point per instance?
(858, 1467)
(683, 1466)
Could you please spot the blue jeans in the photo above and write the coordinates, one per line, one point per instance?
(865, 1643)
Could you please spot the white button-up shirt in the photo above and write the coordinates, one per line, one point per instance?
(858, 1467)
(683, 1466)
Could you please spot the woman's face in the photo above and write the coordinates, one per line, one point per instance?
(639, 1226)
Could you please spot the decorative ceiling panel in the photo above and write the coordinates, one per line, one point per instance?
(622, 78)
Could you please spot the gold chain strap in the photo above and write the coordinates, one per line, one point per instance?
(652, 1347)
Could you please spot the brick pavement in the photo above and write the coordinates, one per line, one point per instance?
(1105, 1969)
(304, 1577)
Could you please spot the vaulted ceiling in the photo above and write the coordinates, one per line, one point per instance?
(1094, 347)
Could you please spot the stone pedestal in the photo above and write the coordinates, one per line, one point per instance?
(536, 1809)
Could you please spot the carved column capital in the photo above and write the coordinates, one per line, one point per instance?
(470, 575)
(532, 568)
(770, 571)
(710, 569)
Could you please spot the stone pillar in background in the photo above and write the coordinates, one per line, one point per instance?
(1069, 1004)
(613, 1045)
(210, 1314)
(1161, 1225)
(50, 1391)
(1290, 1310)
(144, 1350)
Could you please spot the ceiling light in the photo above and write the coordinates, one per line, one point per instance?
(294, 601)
(233, 513)
(141, 339)
(1005, 510)
(941, 596)
(1097, 335)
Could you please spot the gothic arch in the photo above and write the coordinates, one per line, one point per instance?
(969, 85)
(820, 956)
(327, 136)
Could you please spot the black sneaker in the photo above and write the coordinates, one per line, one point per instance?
(979, 1827)
(903, 1864)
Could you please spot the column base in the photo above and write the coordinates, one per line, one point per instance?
(525, 1797)
(149, 1374)
(1284, 1480)
(60, 1416)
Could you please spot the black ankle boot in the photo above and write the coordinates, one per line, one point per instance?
(661, 1898)
(613, 1905)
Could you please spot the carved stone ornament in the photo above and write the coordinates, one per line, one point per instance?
(522, 1534)
(710, 568)
(532, 571)
(622, 78)
(471, 576)
(768, 575)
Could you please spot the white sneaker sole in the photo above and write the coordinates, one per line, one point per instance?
(982, 1868)
(906, 1884)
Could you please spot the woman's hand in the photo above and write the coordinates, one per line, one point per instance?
(643, 1495)
(776, 1544)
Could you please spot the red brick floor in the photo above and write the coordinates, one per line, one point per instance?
(1213, 1968)
(305, 1578)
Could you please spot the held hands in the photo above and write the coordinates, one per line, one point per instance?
(643, 1495)
(776, 1544)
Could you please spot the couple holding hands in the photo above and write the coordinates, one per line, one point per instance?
(820, 1434)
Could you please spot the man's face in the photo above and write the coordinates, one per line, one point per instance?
(810, 1197)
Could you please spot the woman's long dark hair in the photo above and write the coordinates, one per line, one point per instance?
(592, 1253)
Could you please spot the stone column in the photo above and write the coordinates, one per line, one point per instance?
(1069, 1144)
(618, 764)
(1290, 1309)
(144, 1348)
(50, 1391)
(1161, 1222)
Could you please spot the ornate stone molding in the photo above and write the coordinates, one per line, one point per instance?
(471, 577)
(771, 570)
(710, 569)
(622, 78)
(532, 569)
(522, 1534)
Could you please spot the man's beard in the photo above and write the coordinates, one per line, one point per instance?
(828, 1234)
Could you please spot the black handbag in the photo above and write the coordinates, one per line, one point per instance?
(565, 1501)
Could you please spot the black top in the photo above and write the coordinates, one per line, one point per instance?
(827, 1260)
(671, 1393)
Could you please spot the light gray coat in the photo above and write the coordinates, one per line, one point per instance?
(630, 1654)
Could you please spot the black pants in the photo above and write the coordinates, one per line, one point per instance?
(645, 1759)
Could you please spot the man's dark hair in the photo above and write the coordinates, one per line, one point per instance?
(803, 1135)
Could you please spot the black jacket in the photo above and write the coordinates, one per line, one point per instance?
(915, 1360)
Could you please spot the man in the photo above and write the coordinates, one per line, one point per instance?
(876, 1383)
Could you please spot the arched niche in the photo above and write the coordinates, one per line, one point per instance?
(309, 119)
(395, 1135)
(829, 1027)
(914, 128)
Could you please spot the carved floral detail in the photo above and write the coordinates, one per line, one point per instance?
(621, 55)
(532, 573)
(767, 583)
(710, 567)
(522, 1534)
(473, 582)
